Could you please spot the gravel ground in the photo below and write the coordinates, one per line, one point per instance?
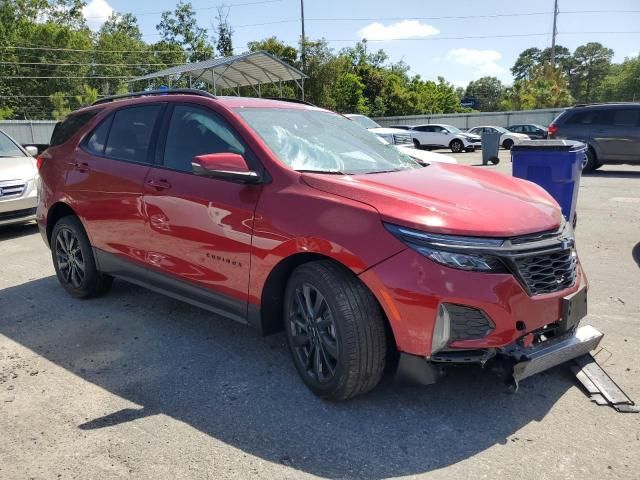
(136, 385)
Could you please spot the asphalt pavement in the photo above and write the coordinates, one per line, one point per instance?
(137, 385)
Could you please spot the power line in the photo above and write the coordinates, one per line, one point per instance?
(453, 17)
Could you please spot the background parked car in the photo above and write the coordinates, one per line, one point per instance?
(443, 136)
(18, 182)
(534, 131)
(391, 135)
(424, 156)
(507, 139)
(611, 131)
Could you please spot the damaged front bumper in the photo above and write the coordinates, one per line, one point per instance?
(516, 360)
(553, 352)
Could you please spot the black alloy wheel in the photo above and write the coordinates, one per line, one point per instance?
(313, 333)
(335, 330)
(69, 258)
(456, 146)
(73, 260)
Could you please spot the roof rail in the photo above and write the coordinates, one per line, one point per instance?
(170, 91)
(604, 103)
(292, 100)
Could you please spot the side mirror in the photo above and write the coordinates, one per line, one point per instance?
(225, 166)
(31, 150)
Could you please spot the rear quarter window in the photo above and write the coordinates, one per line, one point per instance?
(584, 117)
(66, 129)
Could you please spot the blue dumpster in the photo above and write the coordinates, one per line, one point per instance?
(555, 165)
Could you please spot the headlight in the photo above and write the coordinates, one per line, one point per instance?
(452, 250)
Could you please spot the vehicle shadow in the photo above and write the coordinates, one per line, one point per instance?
(226, 381)
(10, 232)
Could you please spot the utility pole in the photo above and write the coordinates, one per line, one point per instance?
(553, 35)
(303, 48)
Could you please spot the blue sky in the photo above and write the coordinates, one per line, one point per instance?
(410, 31)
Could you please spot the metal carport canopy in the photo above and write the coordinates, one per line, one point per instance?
(247, 69)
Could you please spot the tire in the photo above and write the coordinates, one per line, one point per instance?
(73, 260)
(348, 339)
(592, 161)
(507, 144)
(416, 143)
(456, 145)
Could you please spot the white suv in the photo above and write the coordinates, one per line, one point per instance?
(18, 182)
(443, 136)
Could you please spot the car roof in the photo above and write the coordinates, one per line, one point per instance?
(594, 106)
(230, 102)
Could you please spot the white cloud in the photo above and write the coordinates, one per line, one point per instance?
(96, 12)
(483, 62)
(397, 31)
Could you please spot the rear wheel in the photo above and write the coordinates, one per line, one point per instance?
(456, 146)
(592, 161)
(335, 330)
(73, 260)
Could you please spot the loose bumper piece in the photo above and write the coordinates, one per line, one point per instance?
(553, 352)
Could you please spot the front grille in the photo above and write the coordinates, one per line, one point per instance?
(402, 139)
(547, 272)
(11, 189)
(27, 212)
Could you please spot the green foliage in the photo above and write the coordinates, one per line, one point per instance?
(348, 94)
(488, 92)
(60, 105)
(6, 113)
(87, 97)
(225, 32)
(592, 65)
(547, 87)
(180, 27)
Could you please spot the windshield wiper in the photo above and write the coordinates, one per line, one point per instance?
(328, 172)
(387, 171)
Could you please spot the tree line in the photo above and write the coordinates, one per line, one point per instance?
(52, 63)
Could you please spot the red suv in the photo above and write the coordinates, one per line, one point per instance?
(289, 217)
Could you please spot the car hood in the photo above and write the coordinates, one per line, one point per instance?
(17, 168)
(387, 131)
(450, 199)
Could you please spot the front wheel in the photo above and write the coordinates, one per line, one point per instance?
(335, 331)
(456, 146)
(507, 144)
(416, 143)
(73, 260)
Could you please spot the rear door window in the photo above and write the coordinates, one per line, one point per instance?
(626, 117)
(130, 133)
(66, 129)
(582, 118)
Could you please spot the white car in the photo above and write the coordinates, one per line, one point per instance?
(424, 156)
(443, 136)
(507, 139)
(18, 182)
(394, 136)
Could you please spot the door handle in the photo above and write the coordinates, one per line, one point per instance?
(160, 184)
(80, 166)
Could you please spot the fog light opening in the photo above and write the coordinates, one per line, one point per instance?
(441, 330)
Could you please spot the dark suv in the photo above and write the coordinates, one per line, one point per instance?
(611, 131)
